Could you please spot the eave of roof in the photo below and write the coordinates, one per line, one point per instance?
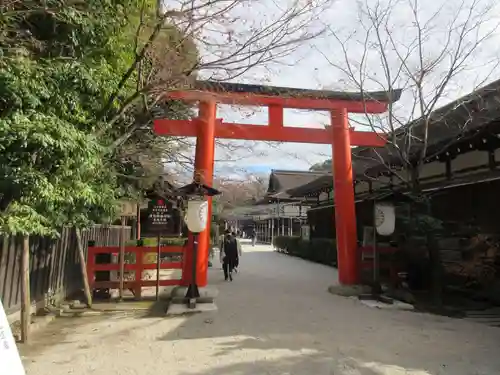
(168, 190)
(488, 112)
(430, 188)
(280, 181)
(319, 183)
(474, 105)
(265, 90)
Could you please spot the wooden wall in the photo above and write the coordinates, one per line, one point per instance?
(477, 202)
(467, 164)
(54, 264)
(475, 205)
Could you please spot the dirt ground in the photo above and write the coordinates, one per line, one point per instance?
(275, 318)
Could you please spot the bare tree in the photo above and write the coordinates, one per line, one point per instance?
(224, 37)
(432, 51)
(215, 39)
(240, 192)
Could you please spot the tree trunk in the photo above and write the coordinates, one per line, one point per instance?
(83, 268)
(435, 264)
(25, 291)
(436, 270)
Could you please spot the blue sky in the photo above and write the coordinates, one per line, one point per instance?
(256, 168)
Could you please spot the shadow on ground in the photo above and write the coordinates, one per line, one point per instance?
(275, 318)
(278, 307)
(307, 364)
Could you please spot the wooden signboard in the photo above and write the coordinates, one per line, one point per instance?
(159, 216)
(128, 208)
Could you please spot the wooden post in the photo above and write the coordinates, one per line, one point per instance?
(158, 266)
(272, 230)
(181, 218)
(138, 234)
(5, 252)
(83, 268)
(25, 291)
(122, 258)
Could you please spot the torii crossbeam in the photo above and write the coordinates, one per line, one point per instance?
(340, 135)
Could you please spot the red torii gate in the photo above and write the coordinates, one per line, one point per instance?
(340, 135)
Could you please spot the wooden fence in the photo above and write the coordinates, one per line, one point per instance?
(54, 264)
(135, 266)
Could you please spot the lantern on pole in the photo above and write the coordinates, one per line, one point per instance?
(385, 218)
(196, 219)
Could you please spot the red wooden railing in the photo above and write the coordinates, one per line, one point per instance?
(137, 268)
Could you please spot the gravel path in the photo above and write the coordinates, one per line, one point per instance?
(275, 318)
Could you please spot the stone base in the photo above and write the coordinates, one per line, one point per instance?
(396, 305)
(349, 290)
(181, 309)
(207, 294)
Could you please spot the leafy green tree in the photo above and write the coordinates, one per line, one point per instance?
(60, 64)
(82, 81)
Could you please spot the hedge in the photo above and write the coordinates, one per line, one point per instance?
(319, 250)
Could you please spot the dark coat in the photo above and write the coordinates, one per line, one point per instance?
(230, 249)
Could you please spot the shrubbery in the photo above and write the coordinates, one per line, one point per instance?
(320, 250)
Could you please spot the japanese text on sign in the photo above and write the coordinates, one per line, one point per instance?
(159, 215)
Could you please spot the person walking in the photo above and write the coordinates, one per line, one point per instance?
(229, 254)
(237, 262)
(254, 236)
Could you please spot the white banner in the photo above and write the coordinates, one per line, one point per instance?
(10, 360)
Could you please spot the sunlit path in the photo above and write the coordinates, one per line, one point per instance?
(274, 318)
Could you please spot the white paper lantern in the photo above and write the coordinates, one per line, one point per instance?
(385, 218)
(196, 215)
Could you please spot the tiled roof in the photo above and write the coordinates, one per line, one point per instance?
(289, 92)
(280, 181)
(479, 109)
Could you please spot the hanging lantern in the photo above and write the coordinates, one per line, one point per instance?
(385, 218)
(196, 215)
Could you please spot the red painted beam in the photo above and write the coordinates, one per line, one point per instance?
(299, 103)
(163, 266)
(187, 128)
(132, 284)
(136, 249)
(134, 267)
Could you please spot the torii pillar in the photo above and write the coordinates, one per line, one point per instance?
(204, 168)
(340, 135)
(343, 188)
